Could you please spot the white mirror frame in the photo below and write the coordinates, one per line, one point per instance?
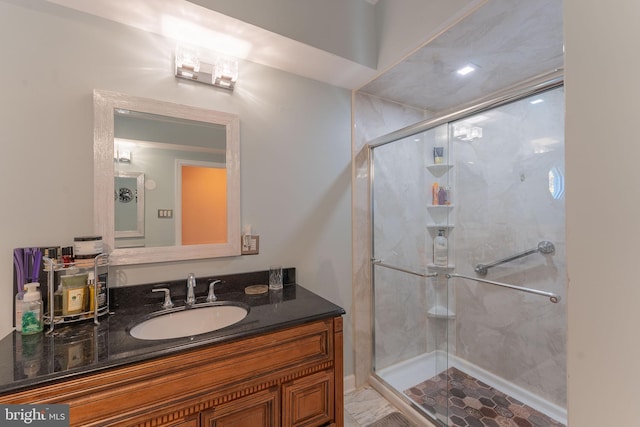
(104, 104)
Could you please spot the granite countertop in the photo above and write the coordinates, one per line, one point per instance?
(81, 348)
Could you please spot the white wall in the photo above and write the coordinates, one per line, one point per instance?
(603, 211)
(343, 27)
(295, 148)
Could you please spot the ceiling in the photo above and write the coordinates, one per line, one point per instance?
(507, 41)
(187, 22)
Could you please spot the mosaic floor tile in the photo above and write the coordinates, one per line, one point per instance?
(468, 402)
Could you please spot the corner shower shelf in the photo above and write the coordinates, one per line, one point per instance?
(440, 312)
(440, 226)
(441, 267)
(439, 169)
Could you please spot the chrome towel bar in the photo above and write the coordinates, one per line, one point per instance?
(545, 247)
(381, 264)
(554, 298)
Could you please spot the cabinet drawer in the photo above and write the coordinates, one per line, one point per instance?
(190, 422)
(256, 410)
(308, 401)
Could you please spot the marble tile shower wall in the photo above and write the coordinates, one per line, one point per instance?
(402, 192)
(503, 207)
(373, 117)
(399, 208)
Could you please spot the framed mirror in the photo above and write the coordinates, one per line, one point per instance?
(186, 164)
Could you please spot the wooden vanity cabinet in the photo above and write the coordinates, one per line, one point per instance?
(292, 377)
(309, 400)
(258, 409)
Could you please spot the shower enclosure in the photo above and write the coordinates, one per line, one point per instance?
(476, 338)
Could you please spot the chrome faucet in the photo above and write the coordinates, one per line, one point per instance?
(191, 286)
(167, 297)
(212, 295)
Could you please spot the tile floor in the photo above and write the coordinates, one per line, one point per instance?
(365, 406)
(467, 401)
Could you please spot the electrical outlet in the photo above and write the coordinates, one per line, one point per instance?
(250, 245)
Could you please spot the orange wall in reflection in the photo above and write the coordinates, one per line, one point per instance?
(204, 205)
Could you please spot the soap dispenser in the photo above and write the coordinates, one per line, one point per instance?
(440, 250)
(31, 309)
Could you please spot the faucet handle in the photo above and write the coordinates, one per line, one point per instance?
(167, 297)
(191, 280)
(212, 296)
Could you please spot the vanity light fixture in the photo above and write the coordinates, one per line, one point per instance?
(222, 72)
(121, 152)
(465, 132)
(122, 156)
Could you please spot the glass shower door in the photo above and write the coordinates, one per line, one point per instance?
(509, 274)
(479, 337)
(411, 204)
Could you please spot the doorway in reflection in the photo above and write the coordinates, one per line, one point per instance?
(203, 204)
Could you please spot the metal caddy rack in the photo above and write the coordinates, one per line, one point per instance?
(100, 270)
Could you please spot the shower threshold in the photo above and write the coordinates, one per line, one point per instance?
(450, 391)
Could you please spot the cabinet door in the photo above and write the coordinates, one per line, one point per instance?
(309, 401)
(256, 410)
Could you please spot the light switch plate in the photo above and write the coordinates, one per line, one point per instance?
(253, 246)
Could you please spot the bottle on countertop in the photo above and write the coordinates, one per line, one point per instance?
(74, 290)
(57, 301)
(440, 250)
(18, 305)
(31, 309)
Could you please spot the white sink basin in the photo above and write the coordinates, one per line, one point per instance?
(185, 323)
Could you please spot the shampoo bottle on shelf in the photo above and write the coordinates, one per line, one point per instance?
(440, 250)
(442, 196)
(31, 309)
(434, 194)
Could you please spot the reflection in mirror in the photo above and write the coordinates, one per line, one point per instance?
(128, 199)
(200, 220)
(185, 161)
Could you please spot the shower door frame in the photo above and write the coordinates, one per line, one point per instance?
(530, 87)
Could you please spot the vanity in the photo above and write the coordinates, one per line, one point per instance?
(281, 365)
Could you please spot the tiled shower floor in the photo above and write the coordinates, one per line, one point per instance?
(465, 401)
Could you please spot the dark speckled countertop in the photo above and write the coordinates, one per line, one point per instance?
(82, 348)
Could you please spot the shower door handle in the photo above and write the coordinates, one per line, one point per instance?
(554, 298)
(544, 247)
(379, 262)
